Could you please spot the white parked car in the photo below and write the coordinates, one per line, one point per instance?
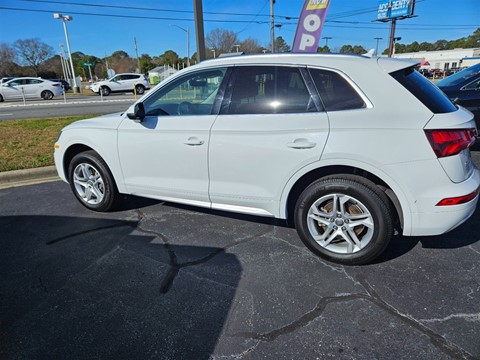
(30, 88)
(348, 148)
(127, 82)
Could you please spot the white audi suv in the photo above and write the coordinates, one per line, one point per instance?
(348, 148)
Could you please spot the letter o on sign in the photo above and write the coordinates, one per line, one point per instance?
(312, 23)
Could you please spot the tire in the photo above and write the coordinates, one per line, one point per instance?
(92, 182)
(1, 98)
(140, 89)
(344, 219)
(104, 91)
(47, 95)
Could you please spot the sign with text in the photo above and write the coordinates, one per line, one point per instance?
(310, 25)
(392, 9)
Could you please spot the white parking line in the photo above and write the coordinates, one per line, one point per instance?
(6, 114)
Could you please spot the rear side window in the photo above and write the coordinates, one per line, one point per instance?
(268, 90)
(427, 93)
(335, 92)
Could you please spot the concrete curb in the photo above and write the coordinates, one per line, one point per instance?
(28, 176)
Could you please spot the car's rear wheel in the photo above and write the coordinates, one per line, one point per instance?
(92, 182)
(47, 95)
(140, 89)
(344, 219)
(105, 90)
(1, 98)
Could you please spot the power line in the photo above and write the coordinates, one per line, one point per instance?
(135, 16)
(358, 24)
(149, 9)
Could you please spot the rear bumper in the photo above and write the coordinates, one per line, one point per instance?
(442, 219)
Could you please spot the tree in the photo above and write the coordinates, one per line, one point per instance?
(7, 60)
(250, 46)
(323, 49)
(281, 45)
(33, 52)
(221, 40)
(146, 63)
(346, 49)
(169, 57)
(121, 62)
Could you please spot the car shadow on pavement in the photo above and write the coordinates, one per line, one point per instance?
(79, 288)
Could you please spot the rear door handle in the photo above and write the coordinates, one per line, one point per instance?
(302, 144)
(194, 141)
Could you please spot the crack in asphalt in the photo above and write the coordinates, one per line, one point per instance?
(175, 265)
(436, 340)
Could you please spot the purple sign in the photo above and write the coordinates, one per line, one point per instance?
(310, 25)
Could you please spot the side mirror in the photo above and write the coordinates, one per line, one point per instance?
(138, 113)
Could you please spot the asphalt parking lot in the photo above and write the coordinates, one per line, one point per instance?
(162, 281)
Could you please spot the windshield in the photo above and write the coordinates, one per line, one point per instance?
(460, 77)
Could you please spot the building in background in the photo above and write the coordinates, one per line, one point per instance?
(444, 59)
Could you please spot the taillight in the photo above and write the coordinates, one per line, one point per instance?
(449, 142)
(458, 200)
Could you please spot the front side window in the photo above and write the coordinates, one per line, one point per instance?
(15, 82)
(192, 94)
(335, 92)
(268, 90)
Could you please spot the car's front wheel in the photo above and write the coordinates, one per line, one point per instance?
(140, 89)
(1, 98)
(104, 91)
(344, 219)
(47, 95)
(92, 182)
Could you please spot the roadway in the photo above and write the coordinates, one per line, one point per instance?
(73, 105)
(163, 281)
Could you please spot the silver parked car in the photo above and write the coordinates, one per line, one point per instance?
(30, 88)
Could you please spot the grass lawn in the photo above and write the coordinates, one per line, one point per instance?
(28, 144)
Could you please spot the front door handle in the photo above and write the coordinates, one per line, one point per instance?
(302, 144)
(194, 141)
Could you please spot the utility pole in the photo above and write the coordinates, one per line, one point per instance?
(136, 52)
(198, 11)
(272, 25)
(392, 38)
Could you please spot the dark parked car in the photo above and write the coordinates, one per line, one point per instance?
(463, 88)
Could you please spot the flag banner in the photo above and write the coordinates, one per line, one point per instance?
(309, 29)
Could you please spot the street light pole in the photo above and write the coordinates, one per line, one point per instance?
(66, 18)
(326, 40)
(376, 49)
(187, 30)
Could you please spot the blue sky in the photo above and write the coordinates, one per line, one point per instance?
(348, 22)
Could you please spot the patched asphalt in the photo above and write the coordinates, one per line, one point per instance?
(162, 281)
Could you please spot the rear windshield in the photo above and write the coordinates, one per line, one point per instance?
(460, 77)
(431, 96)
